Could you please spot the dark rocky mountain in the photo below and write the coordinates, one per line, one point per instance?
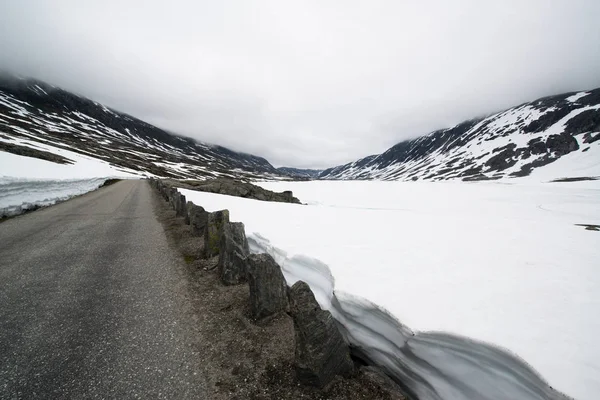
(34, 113)
(512, 143)
(300, 172)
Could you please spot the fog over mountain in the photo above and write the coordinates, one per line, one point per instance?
(305, 84)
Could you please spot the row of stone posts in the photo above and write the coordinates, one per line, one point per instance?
(321, 351)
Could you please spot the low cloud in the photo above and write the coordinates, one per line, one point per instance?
(305, 84)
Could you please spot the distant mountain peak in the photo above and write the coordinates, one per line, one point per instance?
(511, 143)
(300, 172)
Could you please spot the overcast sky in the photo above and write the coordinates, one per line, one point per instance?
(305, 83)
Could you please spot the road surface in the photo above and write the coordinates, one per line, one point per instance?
(93, 303)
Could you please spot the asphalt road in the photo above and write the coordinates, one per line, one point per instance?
(93, 303)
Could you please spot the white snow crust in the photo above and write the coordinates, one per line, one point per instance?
(503, 264)
(19, 195)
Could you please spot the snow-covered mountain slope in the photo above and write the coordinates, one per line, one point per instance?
(38, 120)
(512, 143)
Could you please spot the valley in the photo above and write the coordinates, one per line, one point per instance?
(476, 239)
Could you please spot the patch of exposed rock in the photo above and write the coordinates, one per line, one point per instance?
(34, 153)
(232, 187)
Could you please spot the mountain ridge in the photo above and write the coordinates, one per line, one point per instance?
(32, 111)
(515, 142)
(510, 143)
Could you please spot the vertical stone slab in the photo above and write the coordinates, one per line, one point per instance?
(233, 252)
(321, 352)
(188, 206)
(180, 205)
(213, 231)
(198, 219)
(268, 289)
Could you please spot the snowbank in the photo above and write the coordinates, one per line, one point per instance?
(20, 195)
(429, 365)
(495, 262)
(28, 183)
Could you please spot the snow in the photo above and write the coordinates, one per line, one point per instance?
(497, 262)
(39, 89)
(28, 182)
(19, 195)
(577, 96)
(16, 166)
(484, 140)
(575, 164)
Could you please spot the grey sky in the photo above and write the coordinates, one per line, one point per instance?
(305, 83)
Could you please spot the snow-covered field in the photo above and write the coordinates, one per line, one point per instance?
(499, 262)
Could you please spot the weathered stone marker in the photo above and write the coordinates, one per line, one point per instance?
(187, 212)
(213, 231)
(172, 196)
(180, 205)
(268, 290)
(165, 191)
(233, 251)
(321, 352)
(198, 217)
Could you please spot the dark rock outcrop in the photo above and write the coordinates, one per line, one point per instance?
(213, 231)
(236, 188)
(321, 352)
(537, 146)
(561, 144)
(268, 290)
(34, 153)
(587, 121)
(503, 160)
(233, 251)
(588, 138)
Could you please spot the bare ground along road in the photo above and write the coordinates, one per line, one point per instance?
(93, 303)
